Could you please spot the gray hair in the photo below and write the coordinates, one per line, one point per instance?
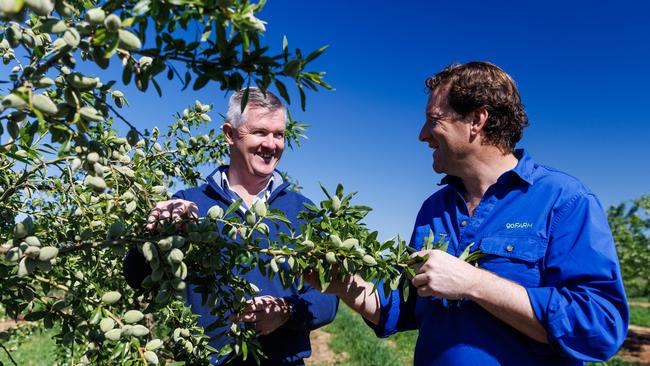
(256, 100)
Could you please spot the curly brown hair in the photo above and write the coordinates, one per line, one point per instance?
(482, 84)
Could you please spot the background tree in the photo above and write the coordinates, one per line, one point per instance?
(631, 229)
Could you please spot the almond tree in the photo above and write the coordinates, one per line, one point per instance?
(75, 193)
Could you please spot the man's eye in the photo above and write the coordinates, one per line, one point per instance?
(279, 135)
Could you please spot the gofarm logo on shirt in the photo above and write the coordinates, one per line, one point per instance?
(519, 225)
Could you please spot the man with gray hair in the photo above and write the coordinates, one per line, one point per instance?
(283, 317)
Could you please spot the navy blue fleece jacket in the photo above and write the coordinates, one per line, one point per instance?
(289, 343)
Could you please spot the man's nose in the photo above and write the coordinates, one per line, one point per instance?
(268, 141)
(424, 133)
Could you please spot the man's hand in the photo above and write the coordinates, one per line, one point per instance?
(267, 313)
(444, 275)
(173, 211)
(336, 285)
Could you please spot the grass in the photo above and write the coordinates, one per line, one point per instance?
(36, 350)
(351, 335)
(640, 316)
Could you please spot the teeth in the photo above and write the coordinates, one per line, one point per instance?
(265, 156)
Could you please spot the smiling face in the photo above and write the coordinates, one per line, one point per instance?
(446, 132)
(257, 145)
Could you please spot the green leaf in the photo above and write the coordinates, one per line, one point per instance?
(244, 99)
(463, 256)
(200, 82)
(233, 207)
(282, 89)
(405, 290)
(312, 56)
(36, 315)
(303, 98)
(157, 87)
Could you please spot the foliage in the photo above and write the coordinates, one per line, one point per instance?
(75, 193)
(631, 230)
(640, 315)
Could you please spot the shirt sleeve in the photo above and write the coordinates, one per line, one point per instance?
(311, 309)
(581, 302)
(397, 314)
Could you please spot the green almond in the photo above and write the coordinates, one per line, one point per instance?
(250, 218)
(113, 334)
(133, 316)
(335, 201)
(215, 212)
(369, 260)
(90, 114)
(177, 241)
(32, 241)
(13, 254)
(44, 104)
(72, 37)
(53, 26)
(129, 41)
(149, 251)
(95, 16)
(80, 82)
(111, 297)
(113, 22)
(106, 324)
(151, 357)
(139, 330)
(165, 244)
(308, 244)
(48, 253)
(259, 208)
(153, 344)
(178, 284)
(175, 256)
(336, 240)
(44, 82)
(40, 7)
(274, 265)
(33, 252)
(13, 101)
(350, 243)
(330, 257)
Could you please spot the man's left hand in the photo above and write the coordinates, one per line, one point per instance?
(267, 313)
(444, 275)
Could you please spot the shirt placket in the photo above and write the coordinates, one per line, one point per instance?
(468, 227)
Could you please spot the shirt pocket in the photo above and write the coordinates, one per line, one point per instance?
(516, 258)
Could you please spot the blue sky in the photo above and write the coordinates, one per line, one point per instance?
(581, 67)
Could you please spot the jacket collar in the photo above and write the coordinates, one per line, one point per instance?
(214, 181)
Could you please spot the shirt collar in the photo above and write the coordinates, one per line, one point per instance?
(225, 185)
(524, 170)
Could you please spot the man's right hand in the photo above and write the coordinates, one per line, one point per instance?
(172, 211)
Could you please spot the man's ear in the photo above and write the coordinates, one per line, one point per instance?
(478, 118)
(229, 132)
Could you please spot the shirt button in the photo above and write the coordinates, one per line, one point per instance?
(510, 248)
(463, 223)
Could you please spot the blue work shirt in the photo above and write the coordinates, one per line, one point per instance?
(542, 229)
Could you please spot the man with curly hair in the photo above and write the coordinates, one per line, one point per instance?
(548, 290)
